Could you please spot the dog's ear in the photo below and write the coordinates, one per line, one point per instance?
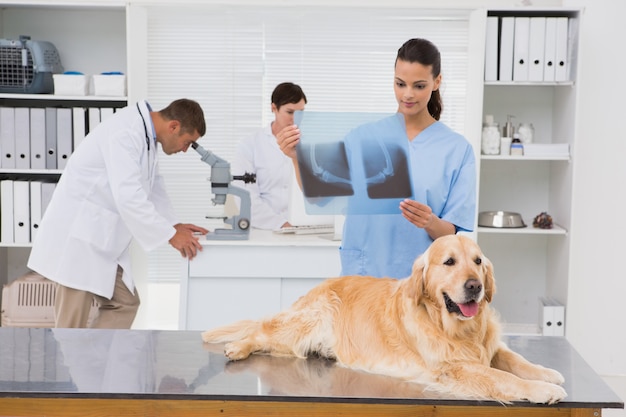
(490, 281)
(416, 284)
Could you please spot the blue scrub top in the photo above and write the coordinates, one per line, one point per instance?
(443, 176)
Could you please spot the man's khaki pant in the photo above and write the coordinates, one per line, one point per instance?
(72, 307)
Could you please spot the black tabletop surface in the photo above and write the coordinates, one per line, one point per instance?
(155, 364)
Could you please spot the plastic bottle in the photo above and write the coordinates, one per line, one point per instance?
(508, 129)
(517, 148)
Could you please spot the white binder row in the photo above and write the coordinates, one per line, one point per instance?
(22, 205)
(44, 138)
(533, 49)
(551, 317)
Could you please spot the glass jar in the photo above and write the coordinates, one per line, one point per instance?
(490, 144)
(526, 132)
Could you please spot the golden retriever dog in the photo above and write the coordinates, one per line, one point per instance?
(435, 327)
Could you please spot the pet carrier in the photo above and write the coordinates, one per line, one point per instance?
(27, 66)
(29, 302)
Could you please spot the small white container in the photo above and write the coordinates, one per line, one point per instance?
(505, 145)
(71, 84)
(109, 84)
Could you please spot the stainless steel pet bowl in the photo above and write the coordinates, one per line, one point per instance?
(500, 219)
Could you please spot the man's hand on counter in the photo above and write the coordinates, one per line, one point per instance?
(186, 239)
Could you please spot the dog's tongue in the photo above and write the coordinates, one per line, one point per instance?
(469, 309)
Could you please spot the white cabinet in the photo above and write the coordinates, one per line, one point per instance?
(251, 279)
(90, 38)
(531, 262)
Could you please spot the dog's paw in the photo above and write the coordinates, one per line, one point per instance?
(236, 351)
(553, 376)
(546, 393)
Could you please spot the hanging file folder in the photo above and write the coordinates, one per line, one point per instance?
(94, 117)
(47, 190)
(7, 137)
(79, 125)
(37, 138)
(6, 211)
(551, 317)
(549, 60)
(21, 211)
(491, 49)
(51, 138)
(64, 136)
(536, 48)
(561, 72)
(35, 208)
(507, 34)
(22, 138)
(520, 49)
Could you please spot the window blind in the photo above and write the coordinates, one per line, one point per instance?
(230, 58)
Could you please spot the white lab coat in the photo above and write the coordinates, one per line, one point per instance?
(110, 192)
(261, 155)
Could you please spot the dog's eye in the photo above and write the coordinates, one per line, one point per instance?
(478, 261)
(449, 262)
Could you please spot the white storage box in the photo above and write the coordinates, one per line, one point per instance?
(109, 84)
(71, 84)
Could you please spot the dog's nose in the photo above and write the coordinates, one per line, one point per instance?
(473, 286)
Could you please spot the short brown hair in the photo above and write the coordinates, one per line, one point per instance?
(286, 93)
(188, 113)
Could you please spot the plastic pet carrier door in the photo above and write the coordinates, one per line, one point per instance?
(27, 66)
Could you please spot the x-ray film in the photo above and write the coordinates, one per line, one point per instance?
(353, 163)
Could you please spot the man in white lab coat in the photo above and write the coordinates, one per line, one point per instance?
(109, 193)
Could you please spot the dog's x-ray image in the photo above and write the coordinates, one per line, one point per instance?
(386, 167)
(352, 162)
(325, 166)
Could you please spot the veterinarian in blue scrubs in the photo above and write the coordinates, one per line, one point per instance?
(442, 167)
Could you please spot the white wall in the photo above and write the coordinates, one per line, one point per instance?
(596, 322)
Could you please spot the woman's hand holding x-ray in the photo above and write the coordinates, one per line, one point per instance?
(287, 140)
(422, 216)
(417, 213)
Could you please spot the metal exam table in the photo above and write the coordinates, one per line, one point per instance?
(83, 372)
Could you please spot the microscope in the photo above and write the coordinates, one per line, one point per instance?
(221, 187)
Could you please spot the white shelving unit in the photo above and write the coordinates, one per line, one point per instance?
(91, 38)
(530, 262)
